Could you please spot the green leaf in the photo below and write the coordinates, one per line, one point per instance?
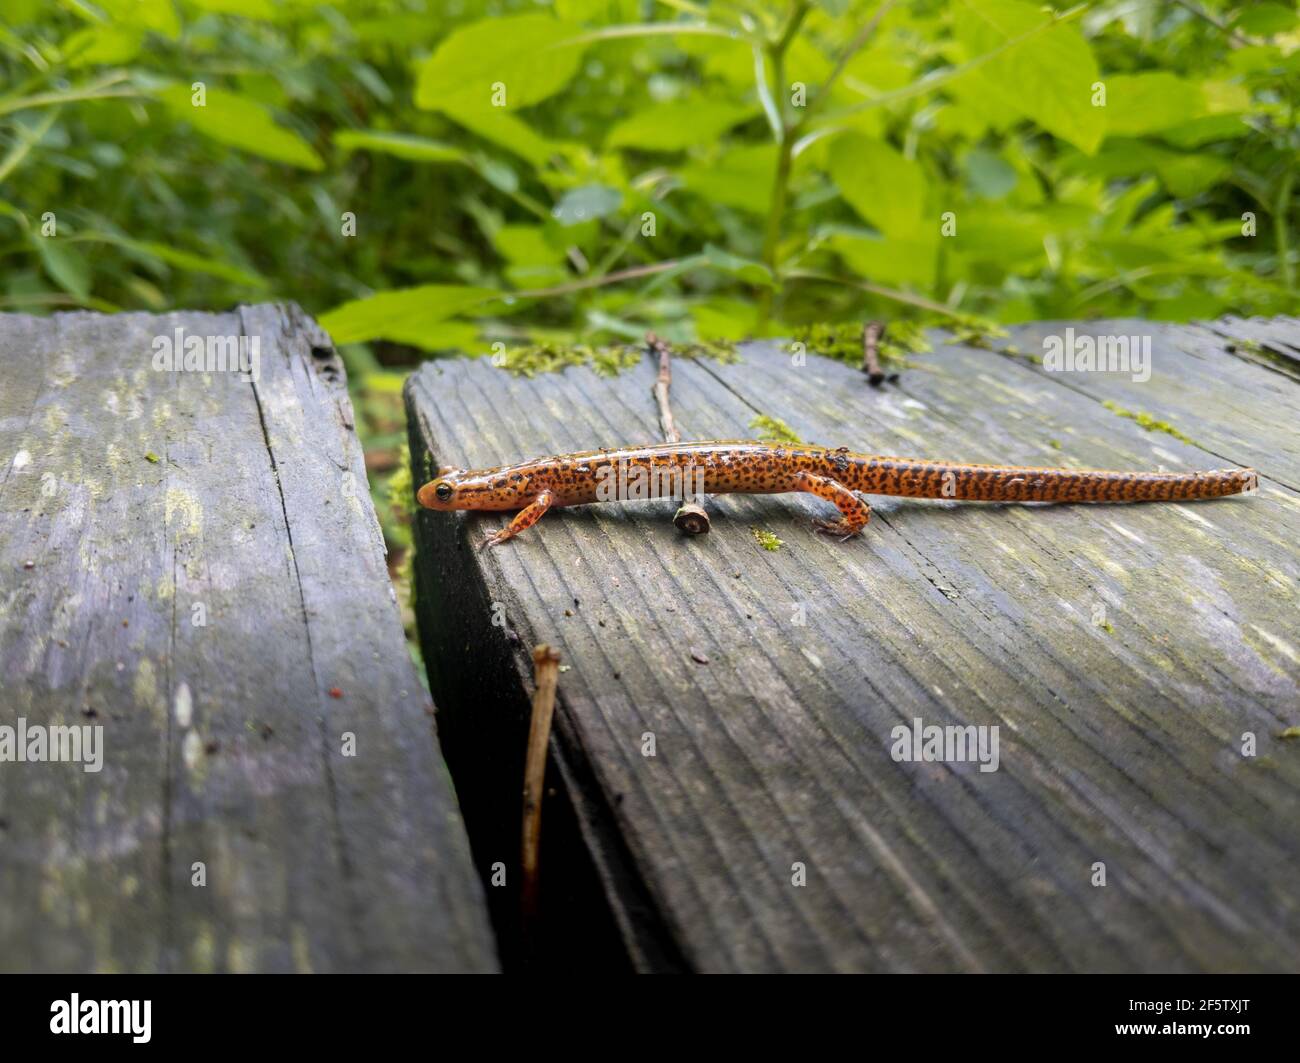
(1183, 174)
(533, 261)
(174, 256)
(584, 204)
(741, 177)
(509, 132)
(156, 15)
(259, 9)
(241, 123)
(1265, 20)
(724, 319)
(437, 336)
(65, 265)
(582, 10)
(524, 54)
(402, 145)
(892, 260)
(401, 315)
(1001, 236)
(526, 245)
(403, 29)
(1225, 97)
(1150, 102)
(1048, 78)
(498, 174)
(102, 45)
(745, 269)
(1205, 130)
(885, 188)
(1256, 59)
(677, 124)
(989, 175)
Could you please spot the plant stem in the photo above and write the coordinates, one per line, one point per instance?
(856, 45)
(1281, 232)
(875, 289)
(785, 145)
(597, 282)
(789, 131)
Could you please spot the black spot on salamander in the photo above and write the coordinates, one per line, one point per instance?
(840, 461)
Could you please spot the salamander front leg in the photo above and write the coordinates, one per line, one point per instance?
(856, 512)
(523, 520)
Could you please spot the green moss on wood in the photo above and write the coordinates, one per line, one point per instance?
(766, 539)
(1147, 422)
(970, 330)
(842, 341)
(532, 359)
(401, 485)
(528, 361)
(774, 429)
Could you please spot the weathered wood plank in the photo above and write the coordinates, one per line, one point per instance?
(1244, 413)
(202, 608)
(1121, 651)
(1279, 336)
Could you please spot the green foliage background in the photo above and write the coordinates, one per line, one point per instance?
(798, 159)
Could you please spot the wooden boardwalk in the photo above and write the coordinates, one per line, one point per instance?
(1141, 665)
(191, 562)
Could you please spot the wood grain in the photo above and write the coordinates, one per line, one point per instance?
(1122, 651)
(191, 561)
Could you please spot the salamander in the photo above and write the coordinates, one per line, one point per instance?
(684, 470)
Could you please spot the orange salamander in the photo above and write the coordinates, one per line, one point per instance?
(684, 470)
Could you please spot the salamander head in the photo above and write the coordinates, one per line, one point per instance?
(440, 492)
(469, 489)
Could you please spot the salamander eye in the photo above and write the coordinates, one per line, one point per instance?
(443, 491)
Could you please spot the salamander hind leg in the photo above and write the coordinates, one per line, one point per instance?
(856, 512)
(523, 520)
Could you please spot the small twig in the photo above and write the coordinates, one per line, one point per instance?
(662, 383)
(871, 333)
(546, 674)
(691, 516)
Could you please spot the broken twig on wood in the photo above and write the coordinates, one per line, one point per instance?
(871, 333)
(691, 516)
(662, 383)
(546, 674)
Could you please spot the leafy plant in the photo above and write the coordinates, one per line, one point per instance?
(585, 172)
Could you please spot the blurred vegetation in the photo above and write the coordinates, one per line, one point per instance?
(436, 176)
